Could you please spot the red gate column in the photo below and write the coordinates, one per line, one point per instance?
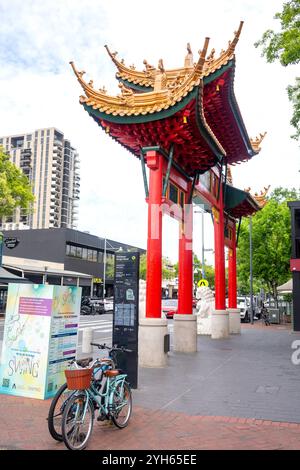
(233, 311)
(153, 328)
(220, 317)
(232, 283)
(185, 324)
(154, 243)
(185, 265)
(219, 259)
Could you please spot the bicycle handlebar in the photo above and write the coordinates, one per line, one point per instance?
(113, 348)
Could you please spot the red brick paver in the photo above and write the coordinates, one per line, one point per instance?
(24, 426)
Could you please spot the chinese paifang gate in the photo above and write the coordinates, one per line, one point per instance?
(185, 126)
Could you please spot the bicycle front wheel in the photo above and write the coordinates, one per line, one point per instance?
(56, 411)
(77, 422)
(121, 405)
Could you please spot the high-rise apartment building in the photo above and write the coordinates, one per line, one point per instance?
(52, 166)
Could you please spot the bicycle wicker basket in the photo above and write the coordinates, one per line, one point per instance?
(78, 379)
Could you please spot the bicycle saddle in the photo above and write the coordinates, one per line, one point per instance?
(84, 362)
(111, 373)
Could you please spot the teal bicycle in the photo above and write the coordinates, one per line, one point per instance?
(112, 401)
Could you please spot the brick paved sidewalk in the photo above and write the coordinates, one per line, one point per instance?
(241, 378)
(24, 426)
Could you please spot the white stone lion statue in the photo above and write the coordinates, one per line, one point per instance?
(204, 308)
(142, 298)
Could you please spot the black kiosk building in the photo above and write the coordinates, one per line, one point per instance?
(295, 261)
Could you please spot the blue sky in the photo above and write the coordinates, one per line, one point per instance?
(38, 38)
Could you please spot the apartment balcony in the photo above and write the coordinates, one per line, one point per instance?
(57, 144)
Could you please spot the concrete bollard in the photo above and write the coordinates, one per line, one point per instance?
(87, 339)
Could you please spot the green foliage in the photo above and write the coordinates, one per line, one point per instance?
(15, 189)
(209, 272)
(143, 266)
(284, 46)
(294, 96)
(110, 268)
(271, 238)
(168, 270)
(281, 194)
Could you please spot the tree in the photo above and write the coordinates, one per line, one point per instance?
(284, 46)
(168, 270)
(209, 272)
(15, 189)
(271, 236)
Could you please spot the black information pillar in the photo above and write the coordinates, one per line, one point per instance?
(295, 261)
(126, 312)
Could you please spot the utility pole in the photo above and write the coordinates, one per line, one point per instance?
(104, 269)
(104, 262)
(1, 247)
(251, 269)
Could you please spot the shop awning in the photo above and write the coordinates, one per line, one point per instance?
(6, 277)
(286, 288)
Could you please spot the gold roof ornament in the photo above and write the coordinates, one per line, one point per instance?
(255, 143)
(260, 198)
(143, 103)
(146, 77)
(189, 59)
(131, 103)
(229, 175)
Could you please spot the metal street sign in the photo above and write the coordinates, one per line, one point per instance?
(126, 312)
(11, 242)
(203, 283)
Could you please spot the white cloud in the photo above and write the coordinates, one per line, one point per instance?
(37, 89)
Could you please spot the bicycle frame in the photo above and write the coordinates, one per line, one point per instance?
(95, 395)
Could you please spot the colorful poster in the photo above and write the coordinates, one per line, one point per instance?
(63, 334)
(40, 337)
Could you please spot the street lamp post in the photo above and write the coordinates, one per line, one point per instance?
(203, 249)
(104, 270)
(104, 263)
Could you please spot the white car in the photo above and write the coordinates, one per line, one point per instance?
(109, 304)
(244, 307)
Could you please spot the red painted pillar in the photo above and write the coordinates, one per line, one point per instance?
(232, 281)
(219, 255)
(185, 263)
(154, 244)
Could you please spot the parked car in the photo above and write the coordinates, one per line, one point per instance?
(169, 307)
(109, 304)
(244, 307)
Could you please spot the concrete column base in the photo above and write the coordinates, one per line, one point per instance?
(219, 324)
(234, 321)
(151, 342)
(185, 333)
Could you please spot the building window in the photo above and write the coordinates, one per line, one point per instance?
(81, 252)
(78, 252)
(71, 250)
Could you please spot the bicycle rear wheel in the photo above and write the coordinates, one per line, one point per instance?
(121, 405)
(77, 422)
(56, 411)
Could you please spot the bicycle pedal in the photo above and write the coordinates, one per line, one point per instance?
(101, 418)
